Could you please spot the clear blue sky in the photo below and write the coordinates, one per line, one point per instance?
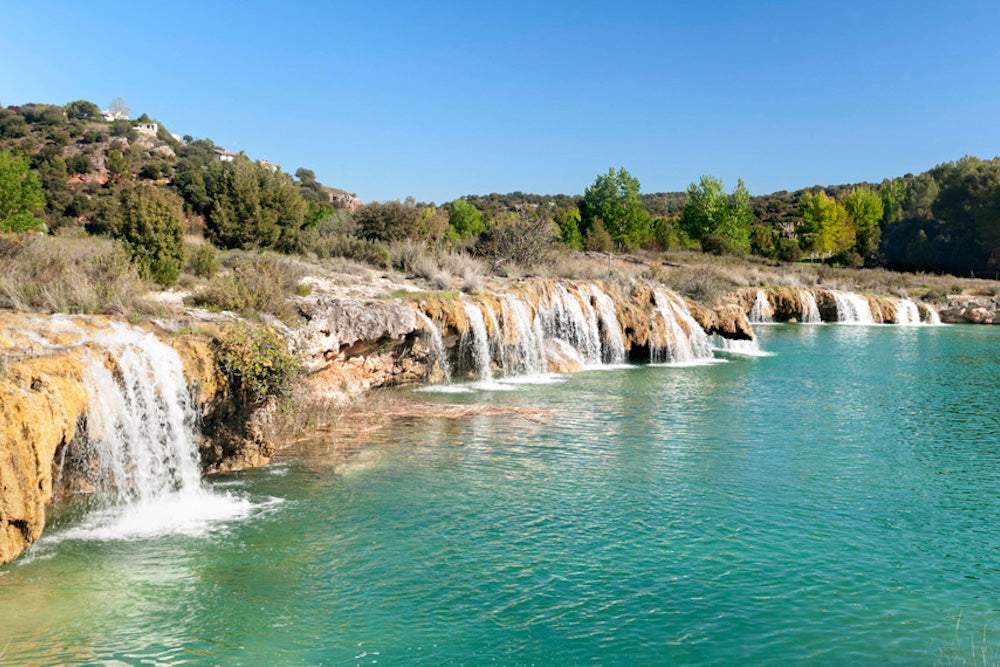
(441, 99)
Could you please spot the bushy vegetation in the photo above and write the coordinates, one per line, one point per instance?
(254, 283)
(258, 365)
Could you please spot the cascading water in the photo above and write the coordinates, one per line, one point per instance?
(761, 312)
(810, 311)
(479, 341)
(523, 339)
(138, 452)
(907, 312)
(852, 308)
(614, 344)
(685, 340)
(743, 348)
(437, 345)
(566, 320)
(930, 315)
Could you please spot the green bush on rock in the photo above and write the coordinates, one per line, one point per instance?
(259, 366)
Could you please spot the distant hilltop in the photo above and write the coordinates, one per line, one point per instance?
(78, 149)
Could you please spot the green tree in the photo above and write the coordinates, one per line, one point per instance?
(118, 164)
(865, 209)
(82, 109)
(147, 220)
(893, 194)
(251, 206)
(465, 219)
(709, 210)
(825, 228)
(20, 195)
(388, 221)
(614, 199)
(568, 221)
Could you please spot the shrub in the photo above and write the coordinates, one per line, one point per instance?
(361, 250)
(147, 220)
(716, 244)
(522, 238)
(255, 284)
(598, 238)
(258, 366)
(204, 262)
(789, 250)
(389, 221)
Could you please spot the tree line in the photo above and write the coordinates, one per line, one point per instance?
(65, 167)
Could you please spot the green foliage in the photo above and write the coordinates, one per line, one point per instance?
(20, 195)
(147, 220)
(79, 164)
(259, 366)
(717, 244)
(12, 124)
(83, 109)
(43, 114)
(568, 221)
(825, 229)
(204, 261)
(865, 209)
(465, 219)
(123, 128)
(254, 284)
(613, 198)
(789, 251)
(361, 250)
(598, 238)
(118, 164)
(251, 206)
(893, 194)
(764, 241)
(389, 221)
(708, 210)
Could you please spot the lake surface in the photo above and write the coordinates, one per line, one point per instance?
(838, 502)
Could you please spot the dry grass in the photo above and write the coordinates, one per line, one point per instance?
(254, 284)
(70, 275)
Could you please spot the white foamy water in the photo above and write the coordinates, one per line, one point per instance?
(139, 448)
(907, 312)
(761, 312)
(743, 348)
(437, 344)
(931, 315)
(685, 341)
(810, 311)
(853, 308)
(479, 340)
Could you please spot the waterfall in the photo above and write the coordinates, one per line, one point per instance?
(685, 340)
(566, 320)
(907, 312)
(810, 311)
(138, 453)
(931, 315)
(761, 311)
(614, 344)
(437, 345)
(523, 339)
(479, 341)
(853, 308)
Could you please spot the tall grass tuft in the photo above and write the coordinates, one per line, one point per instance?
(63, 275)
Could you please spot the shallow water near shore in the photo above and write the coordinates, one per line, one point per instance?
(834, 503)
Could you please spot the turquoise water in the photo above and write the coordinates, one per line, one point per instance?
(835, 503)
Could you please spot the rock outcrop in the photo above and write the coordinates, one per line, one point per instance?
(962, 309)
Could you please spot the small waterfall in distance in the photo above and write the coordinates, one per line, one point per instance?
(932, 315)
(852, 308)
(761, 312)
(907, 312)
(437, 344)
(681, 346)
(810, 311)
(479, 341)
(614, 344)
(138, 452)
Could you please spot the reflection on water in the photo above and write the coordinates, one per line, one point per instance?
(834, 503)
